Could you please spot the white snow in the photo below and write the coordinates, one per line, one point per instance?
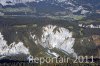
(12, 49)
(57, 37)
(84, 12)
(70, 3)
(18, 48)
(53, 53)
(89, 26)
(61, 0)
(3, 2)
(77, 9)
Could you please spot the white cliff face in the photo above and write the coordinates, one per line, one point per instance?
(56, 37)
(12, 49)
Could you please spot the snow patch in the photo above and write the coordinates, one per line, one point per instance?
(77, 9)
(84, 12)
(57, 37)
(53, 53)
(12, 49)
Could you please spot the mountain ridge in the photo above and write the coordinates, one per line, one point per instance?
(59, 7)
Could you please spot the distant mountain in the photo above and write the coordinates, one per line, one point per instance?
(56, 7)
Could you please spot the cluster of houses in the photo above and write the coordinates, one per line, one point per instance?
(89, 26)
